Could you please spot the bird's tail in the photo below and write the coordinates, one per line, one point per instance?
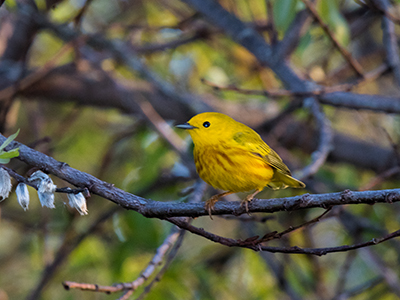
(282, 181)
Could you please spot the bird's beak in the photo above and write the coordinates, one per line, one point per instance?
(185, 126)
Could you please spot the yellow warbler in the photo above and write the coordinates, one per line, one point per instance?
(231, 156)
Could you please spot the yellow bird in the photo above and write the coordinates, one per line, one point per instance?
(231, 156)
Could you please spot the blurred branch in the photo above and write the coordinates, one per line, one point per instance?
(272, 32)
(335, 96)
(279, 93)
(376, 103)
(69, 244)
(380, 178)
(381, 267)
(344, 273)
(382, 6)
(25, 28)
(346, 54)
(151, 48)
(292, 36)
(319, 156)
(171, 240)
(288, 250)
(365, 155)
(390, 42)
(251, 40)
(121, 53)
(171, 244)
(35, 76)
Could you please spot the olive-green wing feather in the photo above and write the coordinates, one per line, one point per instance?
(282, 178)
(252, 141)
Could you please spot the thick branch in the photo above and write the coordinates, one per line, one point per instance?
(250, 39)
(154, 209)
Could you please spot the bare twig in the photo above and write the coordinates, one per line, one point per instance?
(279, 93)
(171, 244)
(344, 270)
(369, 284)
(36, 75)
(292, 36)
(271, 236)
(380, 178)
(144, 275)
(65, 250)
(390, 43)
(319, 156)
(273, 34)
(346, 54)
(288, 250)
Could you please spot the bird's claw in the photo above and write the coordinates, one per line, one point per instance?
(245, 203)
(209, 206)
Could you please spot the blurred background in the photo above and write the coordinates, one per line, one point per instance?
(99, 85)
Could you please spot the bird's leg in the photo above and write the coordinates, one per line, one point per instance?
(248, 198)
(211, 202)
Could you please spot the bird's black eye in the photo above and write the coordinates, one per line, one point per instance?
(206, 124)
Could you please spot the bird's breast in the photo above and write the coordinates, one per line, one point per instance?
(231, 168)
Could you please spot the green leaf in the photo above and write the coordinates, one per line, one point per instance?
(10, 154)
(9, 140)
(330, 13)
(4, 161)
(284, 13)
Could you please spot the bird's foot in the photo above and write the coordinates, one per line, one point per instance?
(245, 202)
(209, 206)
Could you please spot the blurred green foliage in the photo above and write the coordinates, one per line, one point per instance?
(122, 150)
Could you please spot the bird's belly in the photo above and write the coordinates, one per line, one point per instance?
(235, 170)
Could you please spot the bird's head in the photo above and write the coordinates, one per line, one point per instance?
(211, 128)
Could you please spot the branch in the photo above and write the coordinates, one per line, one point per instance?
(161, 252)
(292, 36)
(390, 42)
(319, 156)
(250, 39)
(162, 210)
(68, 245)
(252, 243)
(375, 103)
(346, 54)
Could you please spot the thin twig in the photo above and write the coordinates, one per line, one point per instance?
(171, 244)
(380, 178)
(319, 156)
(279, 93)
(271, 236)
(37, 75)
(273, 34)
(65, 250)
(143, 277)
(288, 250)
(346, 54)
(167, 263)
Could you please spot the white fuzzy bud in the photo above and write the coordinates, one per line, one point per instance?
(78, 201)
(22, 195)
(5, 184)
(46, 188)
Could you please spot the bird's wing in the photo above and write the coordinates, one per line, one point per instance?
(252, 142)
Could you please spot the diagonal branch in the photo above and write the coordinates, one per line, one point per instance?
(162, 210)
(250, 39)
(346, 54)
(319, 156)
(288, 250)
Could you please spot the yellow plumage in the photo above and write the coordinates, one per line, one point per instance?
(231, 156)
